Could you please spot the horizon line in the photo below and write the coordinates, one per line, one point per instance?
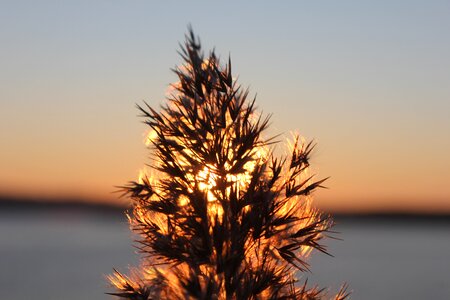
(8, 202)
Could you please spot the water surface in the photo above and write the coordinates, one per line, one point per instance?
(55, 255)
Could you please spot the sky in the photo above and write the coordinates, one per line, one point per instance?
(369, 81)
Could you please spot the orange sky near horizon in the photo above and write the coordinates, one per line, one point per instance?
(370, 85)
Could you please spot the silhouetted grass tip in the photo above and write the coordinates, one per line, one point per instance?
(218, 215)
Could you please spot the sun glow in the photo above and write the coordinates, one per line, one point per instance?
(206, 181)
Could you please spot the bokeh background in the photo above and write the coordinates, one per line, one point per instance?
(368, 81)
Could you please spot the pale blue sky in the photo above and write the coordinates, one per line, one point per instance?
(369, 80)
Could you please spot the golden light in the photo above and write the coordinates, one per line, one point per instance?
(207, 177)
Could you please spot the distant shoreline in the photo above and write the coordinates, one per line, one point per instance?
(41, 204)
(11, 204)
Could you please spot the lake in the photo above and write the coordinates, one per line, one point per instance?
(66, 254)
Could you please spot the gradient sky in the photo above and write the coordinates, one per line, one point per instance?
(368, 80)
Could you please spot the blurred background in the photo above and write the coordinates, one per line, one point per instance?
(368, 81)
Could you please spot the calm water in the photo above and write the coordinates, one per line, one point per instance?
(57, 255)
